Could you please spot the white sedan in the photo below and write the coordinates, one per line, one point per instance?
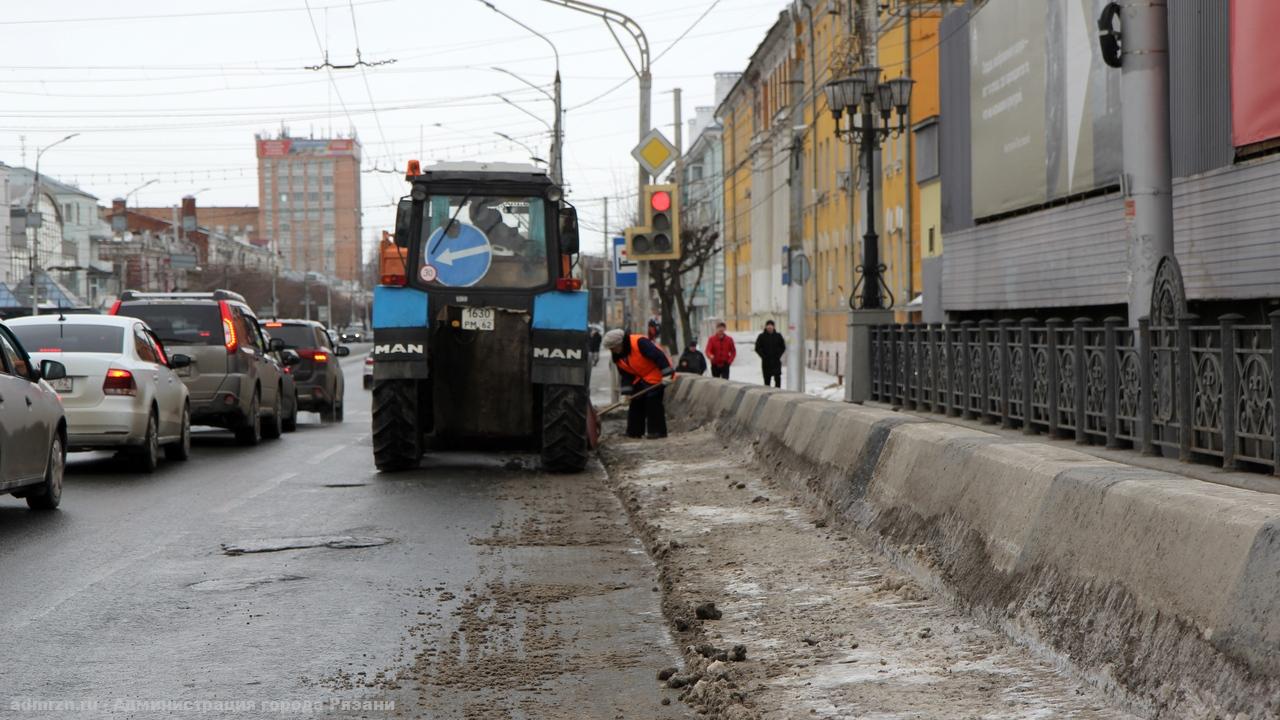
(120, 391)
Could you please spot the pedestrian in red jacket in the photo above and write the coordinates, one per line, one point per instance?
(721, 352)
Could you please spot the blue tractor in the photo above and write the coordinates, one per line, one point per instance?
(480, 329)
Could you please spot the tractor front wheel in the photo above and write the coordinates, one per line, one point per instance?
(397, 441)
(564, 428)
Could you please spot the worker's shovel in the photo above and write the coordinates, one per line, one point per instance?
(593, 417)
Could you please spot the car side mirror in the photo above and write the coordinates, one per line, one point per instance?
(569, 230)
(275, 345)
(290, 358)
(178, 360)
(342, 351)
(51, 370)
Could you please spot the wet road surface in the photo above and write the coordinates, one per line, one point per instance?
(291, 580)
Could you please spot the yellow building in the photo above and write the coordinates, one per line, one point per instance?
(823, 183)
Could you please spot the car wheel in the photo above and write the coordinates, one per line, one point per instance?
(148, 456)
(290, 423)
(368, 382)
(50, 493)
(337, 412)
(181, 450)
(251, 432)
(272, 428)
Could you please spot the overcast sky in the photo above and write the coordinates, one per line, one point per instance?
(174, 91)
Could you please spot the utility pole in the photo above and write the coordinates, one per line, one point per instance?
(679, 176)
(306, 293)
(1144, 83)
(328, 289)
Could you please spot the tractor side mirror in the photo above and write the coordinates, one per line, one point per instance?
(404, 216)
(569, 230)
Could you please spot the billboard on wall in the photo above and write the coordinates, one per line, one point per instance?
(1044, 110)
(1255, 84)
(283, 147)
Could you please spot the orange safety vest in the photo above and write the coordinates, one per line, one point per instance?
(639, 366)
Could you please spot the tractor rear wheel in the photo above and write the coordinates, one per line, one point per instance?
(564, 428)
(397, 442)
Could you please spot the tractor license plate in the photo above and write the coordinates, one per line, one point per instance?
(477, 318)
(62, 385)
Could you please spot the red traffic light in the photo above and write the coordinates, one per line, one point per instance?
(660, 201)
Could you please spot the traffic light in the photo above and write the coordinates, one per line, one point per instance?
(662, 222)
(639, 243)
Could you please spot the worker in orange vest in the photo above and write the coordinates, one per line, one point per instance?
(641, 365)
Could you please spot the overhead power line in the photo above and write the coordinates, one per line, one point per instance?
(66, 20)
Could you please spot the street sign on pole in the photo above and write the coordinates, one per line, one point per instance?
(655, 152)
(624, 270)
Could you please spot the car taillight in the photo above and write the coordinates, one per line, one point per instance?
(115, 308)
(368, 361)
(119, 382)
(229, 338)
(320, 357)
(565, 284)
(395, 279)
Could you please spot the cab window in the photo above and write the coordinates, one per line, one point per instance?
(484, 242)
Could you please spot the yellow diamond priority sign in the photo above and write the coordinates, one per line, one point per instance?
(655, 152)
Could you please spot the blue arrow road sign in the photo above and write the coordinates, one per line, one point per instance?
(624, 271)
(457, 260)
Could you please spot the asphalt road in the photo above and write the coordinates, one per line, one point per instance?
(477, 587)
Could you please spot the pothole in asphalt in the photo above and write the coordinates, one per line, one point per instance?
(344, 485)
(229, 584)
(336, 542)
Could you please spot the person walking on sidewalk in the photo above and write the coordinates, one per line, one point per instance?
(692, 361)
(721, 352)
(593, 345)
(771, 346)
(641, 365)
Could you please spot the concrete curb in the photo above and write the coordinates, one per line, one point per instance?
(1164, 588)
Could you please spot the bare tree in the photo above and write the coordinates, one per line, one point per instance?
(670, 278)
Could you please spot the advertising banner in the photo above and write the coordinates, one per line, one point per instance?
(1044, 109)
(1255, 84)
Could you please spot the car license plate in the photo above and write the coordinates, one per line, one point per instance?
(62, 385)
(477, 318)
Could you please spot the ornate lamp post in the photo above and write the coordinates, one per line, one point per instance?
(869, 105)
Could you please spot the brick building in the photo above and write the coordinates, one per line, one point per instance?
(309, 203)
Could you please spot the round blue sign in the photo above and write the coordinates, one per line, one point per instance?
(461, 258)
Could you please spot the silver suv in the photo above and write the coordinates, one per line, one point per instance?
(234, 381)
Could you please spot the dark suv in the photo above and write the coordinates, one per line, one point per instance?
(318, 375)
(233, 380)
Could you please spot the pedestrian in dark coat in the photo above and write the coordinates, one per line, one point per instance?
(721, 352)
(771, 346)
(593, 345)
(641, 365)
(692, 361)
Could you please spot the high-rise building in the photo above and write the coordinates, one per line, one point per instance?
(309, 203)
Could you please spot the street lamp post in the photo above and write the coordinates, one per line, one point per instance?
(32, 204)
(557, 133)
(613, 18)
(869, 105)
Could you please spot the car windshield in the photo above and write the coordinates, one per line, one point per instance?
(492, 242)
(294, 336)
(70, 338)
(179, 323)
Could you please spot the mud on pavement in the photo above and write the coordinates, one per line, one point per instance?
(807, 621)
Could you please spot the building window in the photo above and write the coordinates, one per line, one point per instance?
(931, 243)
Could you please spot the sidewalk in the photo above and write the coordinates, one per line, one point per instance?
(747, 368)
